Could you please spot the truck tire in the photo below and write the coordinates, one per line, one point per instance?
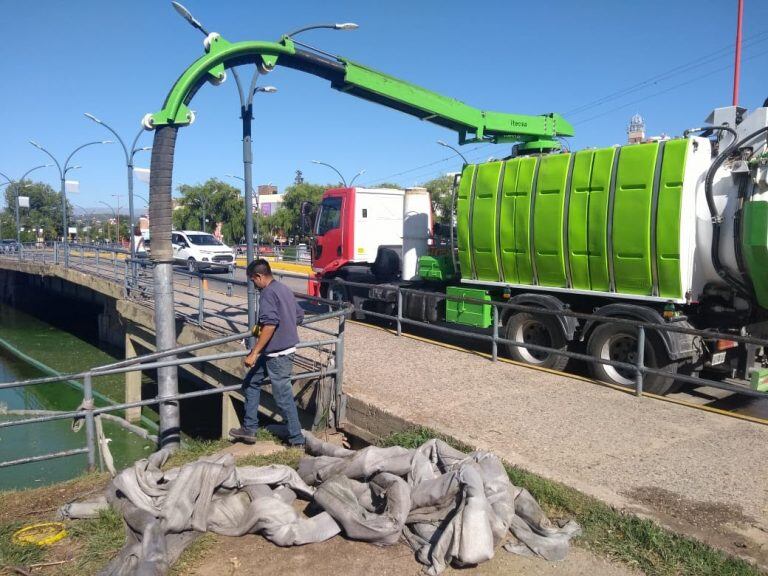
(619, 343)
(540, 329)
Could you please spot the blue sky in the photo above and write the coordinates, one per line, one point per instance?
(118, 59)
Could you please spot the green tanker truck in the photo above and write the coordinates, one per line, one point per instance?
(674, 230)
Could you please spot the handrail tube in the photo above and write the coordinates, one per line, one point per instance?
(42, 457)
(152, 365)
(670, 327)
(155, 400)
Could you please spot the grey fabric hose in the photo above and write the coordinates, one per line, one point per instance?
(451, 508)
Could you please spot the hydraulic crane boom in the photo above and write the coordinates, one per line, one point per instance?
(471, 124)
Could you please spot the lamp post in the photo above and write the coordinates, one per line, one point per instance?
(118, 219)
(129, 155)
(90, 218)
(343, 180)
(453, 201)
(63, 175)
(246, 116)
(113, 214)
(20, 182)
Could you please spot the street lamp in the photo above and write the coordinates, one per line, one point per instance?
(338, 26)
(113, 214)
(246, 116)
(355, 177)
(339, 173)
(187, 15)
(20, 181)
(63, 176)
(446, 145)
(129, 154)
(146, 202)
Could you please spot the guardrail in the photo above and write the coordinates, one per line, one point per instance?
(639, 369)
(331, 413)
(135, 278)
(141, 288)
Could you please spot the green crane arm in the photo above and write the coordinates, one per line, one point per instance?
(472, 124)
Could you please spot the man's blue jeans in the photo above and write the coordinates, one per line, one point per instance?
(279, 370)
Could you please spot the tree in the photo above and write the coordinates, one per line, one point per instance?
(219, 201)
(440, 194)
(288, 217)
(44, 211)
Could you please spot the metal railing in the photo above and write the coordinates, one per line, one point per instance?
(331, 346)
(207, 307)
(500, 309)
(196, 302)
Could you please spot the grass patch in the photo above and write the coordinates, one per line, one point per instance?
(289, 457)
(99, 540)
(193, 554)
(15, 555)
(640, 543)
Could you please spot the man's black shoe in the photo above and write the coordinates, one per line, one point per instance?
(244, 435)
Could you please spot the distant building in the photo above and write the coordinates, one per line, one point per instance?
(269, 203)
(267, 189)
(636, 130)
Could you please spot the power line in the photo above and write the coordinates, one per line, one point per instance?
(670, 89)
(682, 68)
(396, 174)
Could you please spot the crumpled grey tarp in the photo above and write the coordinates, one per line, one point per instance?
(452, 508)
(164, 511)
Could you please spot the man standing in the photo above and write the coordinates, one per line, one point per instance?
(272, 356)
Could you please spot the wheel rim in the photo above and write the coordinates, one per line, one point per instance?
(191, 265)
(533, 332)
(620, 348)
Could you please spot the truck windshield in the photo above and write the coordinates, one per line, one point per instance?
(329, 216)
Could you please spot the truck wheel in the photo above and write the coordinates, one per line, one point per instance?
(536, 329)
(191, 265)
(619, 343)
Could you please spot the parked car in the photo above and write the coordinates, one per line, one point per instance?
(201, 251)
(9, 246)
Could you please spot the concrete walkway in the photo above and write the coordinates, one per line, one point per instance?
(700, 473)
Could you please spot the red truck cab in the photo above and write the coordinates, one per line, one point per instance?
(350, 226)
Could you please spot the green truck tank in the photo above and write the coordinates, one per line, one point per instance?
(672, 230)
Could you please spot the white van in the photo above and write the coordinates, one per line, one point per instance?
(200, 251)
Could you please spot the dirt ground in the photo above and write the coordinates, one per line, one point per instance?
(252, 555)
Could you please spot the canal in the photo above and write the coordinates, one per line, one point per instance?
(65, 342)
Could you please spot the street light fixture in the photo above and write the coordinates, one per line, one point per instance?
(129, 155)
(337, 26)
(343, 180)
(355, 177)
(187, 15)
(63, 175)
(446, 145)
(113, 214)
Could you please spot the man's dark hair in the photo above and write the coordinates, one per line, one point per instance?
(258, 266)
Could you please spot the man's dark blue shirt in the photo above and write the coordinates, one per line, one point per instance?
(278, 307)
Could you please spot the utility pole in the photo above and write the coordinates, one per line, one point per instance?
(737, 56)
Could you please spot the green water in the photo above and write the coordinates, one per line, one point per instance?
(63, 351)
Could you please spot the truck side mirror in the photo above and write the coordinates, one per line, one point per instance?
(307, 217)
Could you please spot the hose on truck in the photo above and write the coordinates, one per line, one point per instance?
(717, 219)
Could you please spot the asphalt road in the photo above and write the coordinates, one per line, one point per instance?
(219, 281)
